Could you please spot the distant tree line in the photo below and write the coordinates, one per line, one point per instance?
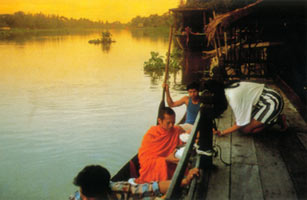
(151, 21)
(41, 21)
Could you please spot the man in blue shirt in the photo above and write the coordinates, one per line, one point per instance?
(192, 101)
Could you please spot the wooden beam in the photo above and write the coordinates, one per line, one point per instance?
(275, 179)
(245, 180)
(294, 155)
(219, 183)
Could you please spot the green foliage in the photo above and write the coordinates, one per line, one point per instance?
(155, 66)
(155, 63)
(151, 21)
(106, 36)
(176, 59)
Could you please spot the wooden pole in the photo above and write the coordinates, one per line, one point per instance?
(226, 46)
(162, 103)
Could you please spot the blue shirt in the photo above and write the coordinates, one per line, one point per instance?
(192, 110)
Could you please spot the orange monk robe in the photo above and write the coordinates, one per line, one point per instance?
(157, 144)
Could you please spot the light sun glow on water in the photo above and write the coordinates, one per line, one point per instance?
(66, 104)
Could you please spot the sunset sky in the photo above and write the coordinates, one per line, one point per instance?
(111, 10)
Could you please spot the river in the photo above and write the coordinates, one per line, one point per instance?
(66, 103)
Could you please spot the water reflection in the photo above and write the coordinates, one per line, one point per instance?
(154, 34)
(21, 38)
(65, 101)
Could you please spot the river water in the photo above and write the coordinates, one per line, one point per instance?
(66, 103)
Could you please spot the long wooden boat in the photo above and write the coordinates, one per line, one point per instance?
(129, 170)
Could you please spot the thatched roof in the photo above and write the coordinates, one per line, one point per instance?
(224, 20)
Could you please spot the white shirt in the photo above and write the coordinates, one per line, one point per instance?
(242, 99)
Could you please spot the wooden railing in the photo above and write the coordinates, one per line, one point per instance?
(203, 124)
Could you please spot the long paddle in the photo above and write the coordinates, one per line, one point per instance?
(162, 103)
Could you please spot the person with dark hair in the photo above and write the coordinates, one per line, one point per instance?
(156, 154)
(93, 181)
(94, 184)
(255, 106)
(192, 101)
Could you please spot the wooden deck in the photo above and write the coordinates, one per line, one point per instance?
(268, 165)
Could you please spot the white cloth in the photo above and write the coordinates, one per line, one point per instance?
(131, 181)
(184, 137)
(242, 99)
(187, 127)
(179, 152)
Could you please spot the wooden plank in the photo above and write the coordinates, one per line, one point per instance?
(245, 180)
(295, 157)
(275, 179)
(218, 187)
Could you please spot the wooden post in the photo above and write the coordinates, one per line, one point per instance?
(219, 41)
(205, 150)
(205, 140)
(226, 46)
(204, 19)
(216, 49)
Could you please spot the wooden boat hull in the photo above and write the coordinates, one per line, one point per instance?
(129, 170)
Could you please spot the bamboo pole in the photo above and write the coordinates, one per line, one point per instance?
(226, 47)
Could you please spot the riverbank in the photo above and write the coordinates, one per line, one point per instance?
(14, 33)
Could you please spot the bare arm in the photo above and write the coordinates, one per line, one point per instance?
(164, 185)
(170, 102)
(171, 157)
(229, 130)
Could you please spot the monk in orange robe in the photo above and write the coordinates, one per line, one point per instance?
(156, 154)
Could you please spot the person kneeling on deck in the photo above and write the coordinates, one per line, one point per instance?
(192, 101)
(94, 184)
(156, 154)
(254, 105)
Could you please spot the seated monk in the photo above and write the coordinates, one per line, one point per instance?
(156, 154)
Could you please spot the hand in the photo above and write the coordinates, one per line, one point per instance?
(216, 132)
(171, 157)
(191, 174)
(166, 86)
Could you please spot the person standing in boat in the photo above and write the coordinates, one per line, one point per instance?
(157, 152)
(255, 106)
(192, 101)
(94, 184)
